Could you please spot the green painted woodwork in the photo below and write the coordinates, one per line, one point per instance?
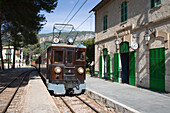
(124, 11)
(132, 68)
(116, 67)
(108, 67)
(100, 66)
(124, 47)
(157, 69)
(105, 23)
(155, 3)
(105, 51)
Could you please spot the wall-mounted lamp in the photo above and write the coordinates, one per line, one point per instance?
(98, 48)
(117, 41)
(147, 34)
(147, 37)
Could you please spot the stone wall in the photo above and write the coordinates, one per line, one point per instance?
(141, 20)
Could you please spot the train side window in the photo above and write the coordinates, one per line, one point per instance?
(69, 57)
(49, 57)
(80, 55)
(58, 56)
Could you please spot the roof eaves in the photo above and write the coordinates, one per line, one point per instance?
(99, 5)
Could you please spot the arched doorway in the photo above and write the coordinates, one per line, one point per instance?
(124, 55)
(128, 62)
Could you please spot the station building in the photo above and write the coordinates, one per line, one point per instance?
(8, 52)
(132, 42)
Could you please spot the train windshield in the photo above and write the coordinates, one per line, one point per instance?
(69, 57)
(80, 55)
(58, 56)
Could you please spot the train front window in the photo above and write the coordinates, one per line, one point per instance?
(80, 55)
(69, 57)
(58, 56)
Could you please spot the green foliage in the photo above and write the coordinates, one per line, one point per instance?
(32, 52)
(32, 49)
(89, 54)
(45, 44)
(23, 16)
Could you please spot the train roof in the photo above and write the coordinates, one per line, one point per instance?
(65, 45)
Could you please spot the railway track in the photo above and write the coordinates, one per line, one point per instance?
(6, 77)
(79, 104)
(8, 92)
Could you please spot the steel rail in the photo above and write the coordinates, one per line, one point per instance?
(6, 107)
(67, 105)
(88, 105)
(11, 82)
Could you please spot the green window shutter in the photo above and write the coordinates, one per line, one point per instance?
(105, 22)
(155, 3)
(100, 66)
(158, 2)
(132, 68)
(108, 67)
(116, 67)
(152, 3)
(124, 11)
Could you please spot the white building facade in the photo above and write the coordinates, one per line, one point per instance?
(8, 52)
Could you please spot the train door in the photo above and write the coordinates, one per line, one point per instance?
(157, 69)
(124, 55)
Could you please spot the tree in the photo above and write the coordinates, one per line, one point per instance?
(31, 50)
(89, 54)
(23, 16)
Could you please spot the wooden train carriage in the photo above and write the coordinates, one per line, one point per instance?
(63, 67)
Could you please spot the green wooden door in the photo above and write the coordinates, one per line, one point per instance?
(116, 67)
(132, 68)
(100, 66)
(157, 69)
(108, 67)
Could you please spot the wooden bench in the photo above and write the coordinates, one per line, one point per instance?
(113, 77)
(95, 74)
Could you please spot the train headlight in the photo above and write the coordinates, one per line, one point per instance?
(57, 70)
(80, 70)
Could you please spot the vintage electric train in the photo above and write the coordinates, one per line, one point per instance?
(63, 67)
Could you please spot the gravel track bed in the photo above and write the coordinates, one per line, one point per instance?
(78, 106)
(16, 105)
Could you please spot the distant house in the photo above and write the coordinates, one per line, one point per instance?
(132, 42)
(8, 56)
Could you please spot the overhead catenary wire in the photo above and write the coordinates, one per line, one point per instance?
(76, 12)
(84, 21)
(71, 11)
(81, 25)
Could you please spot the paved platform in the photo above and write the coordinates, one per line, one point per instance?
(37, 98)
(131, 98)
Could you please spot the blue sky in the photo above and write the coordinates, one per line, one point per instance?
(63, 9)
